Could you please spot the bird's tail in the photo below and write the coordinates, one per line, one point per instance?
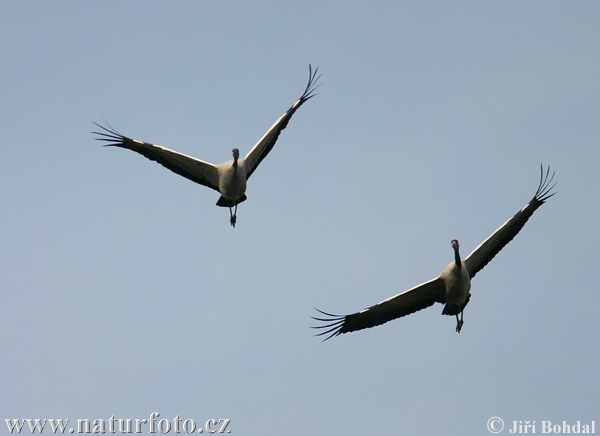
(226, 202)
(455, 309)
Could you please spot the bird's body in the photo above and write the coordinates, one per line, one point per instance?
(232, 178)
(232, 182)
(457, 285)
(451, 287)
(229, 178)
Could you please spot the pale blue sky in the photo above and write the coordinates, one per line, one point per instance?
(127, 292)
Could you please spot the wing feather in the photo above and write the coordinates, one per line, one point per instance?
(489, 248)
(191, 168)
(266, 143)
(405, 303)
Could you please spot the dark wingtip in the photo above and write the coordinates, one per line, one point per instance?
(110, 129)
(313, 77)
(544, 190)
(109, 135)
(334, 324)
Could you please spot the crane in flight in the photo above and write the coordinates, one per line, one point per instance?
(228, 178)
(451, 287)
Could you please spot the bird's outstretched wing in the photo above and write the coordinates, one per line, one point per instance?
(489, 248)
(194, 169)
(412, 300)
(266, 143)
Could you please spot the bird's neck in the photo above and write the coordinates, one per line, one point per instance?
(235, 163)
(457, 258)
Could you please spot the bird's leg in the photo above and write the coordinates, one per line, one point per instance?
(232, 217)
(459, 322)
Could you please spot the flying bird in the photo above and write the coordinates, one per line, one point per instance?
(451, 287)
(228, 178)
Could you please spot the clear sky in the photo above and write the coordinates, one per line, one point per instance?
(126, 291)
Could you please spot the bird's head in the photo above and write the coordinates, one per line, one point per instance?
(454, 244)
(236, 153)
